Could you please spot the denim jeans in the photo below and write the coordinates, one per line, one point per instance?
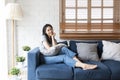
(65, 55)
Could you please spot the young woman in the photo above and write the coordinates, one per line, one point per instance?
(65, 55)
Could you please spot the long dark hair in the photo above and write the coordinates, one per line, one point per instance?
(49, 40)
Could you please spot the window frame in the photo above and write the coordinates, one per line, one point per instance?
(89, 34)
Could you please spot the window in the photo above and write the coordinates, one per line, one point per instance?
(90, 19)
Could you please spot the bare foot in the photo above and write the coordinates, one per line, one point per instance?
(85, 66)
(89, 66)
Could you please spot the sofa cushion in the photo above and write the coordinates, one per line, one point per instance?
(73, 46)
(54, 71)
(100, 73)
(87, 51)
(114, 67)
(111, 50)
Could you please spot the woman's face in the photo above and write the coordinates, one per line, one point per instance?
(49, 31)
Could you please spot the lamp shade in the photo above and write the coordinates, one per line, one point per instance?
(13, 11)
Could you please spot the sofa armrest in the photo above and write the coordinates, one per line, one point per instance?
(33, 63)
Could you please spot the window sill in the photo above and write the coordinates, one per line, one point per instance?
(91, 36)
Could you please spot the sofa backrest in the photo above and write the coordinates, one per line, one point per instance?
(73, 47)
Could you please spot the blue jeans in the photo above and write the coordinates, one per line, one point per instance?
(65, 55)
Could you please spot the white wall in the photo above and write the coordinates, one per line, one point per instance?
(36, 14)
(3, 44)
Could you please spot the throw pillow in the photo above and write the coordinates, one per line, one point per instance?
(54, 50)
(111, 50)
(87, 51)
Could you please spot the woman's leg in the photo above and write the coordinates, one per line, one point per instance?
(71, 54)
(68, 52)
(69, 58)
(83, 65)
(73, 62)
(60, 58)
(54, 59)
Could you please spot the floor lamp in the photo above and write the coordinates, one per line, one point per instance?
(13, 13)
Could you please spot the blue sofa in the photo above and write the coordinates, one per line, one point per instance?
(38, 70)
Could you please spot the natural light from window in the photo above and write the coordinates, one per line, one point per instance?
(98, 11)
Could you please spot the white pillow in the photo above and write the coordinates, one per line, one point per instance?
(54, 50)
(111, 50)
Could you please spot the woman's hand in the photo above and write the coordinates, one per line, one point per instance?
(53, 34)
(53, 39)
